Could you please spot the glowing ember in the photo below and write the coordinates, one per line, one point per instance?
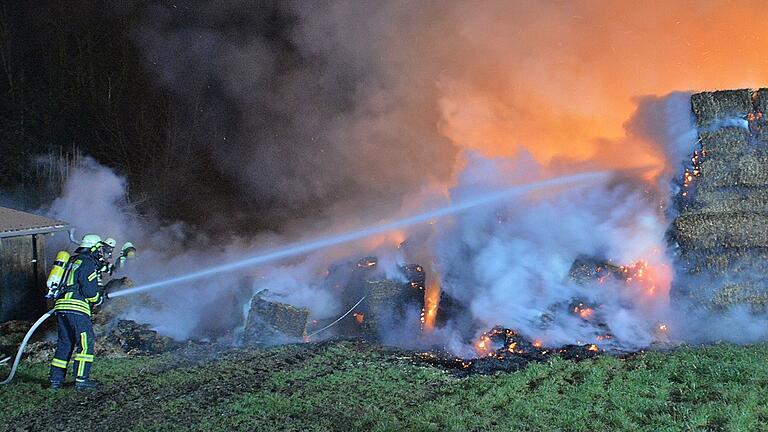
(583, 311)
(359, 317)
(635, 271)
(593, 348)
(537, 343)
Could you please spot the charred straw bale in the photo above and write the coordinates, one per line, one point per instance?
(268, 320)
(708, 107)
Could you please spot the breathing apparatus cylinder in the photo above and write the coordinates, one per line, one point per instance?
(57, 272)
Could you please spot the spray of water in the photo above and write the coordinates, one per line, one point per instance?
(302, 248)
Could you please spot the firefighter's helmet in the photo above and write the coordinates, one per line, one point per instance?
(90, 240)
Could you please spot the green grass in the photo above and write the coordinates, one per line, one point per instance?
(356, 386)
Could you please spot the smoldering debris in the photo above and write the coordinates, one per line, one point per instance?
(505, 350)
(389, 297)
(114, 339)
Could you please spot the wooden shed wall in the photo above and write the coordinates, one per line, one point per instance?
(22, 280)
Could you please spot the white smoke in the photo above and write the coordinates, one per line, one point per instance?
(510, 263)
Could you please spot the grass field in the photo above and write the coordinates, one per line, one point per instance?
(357, 386)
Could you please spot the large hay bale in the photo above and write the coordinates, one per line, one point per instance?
(270, 321)
(743, 171)
(717, 262)
(725, 142)
(729, 200)
(721, 230)
(709, 107)
(753, 294)
(761, 101)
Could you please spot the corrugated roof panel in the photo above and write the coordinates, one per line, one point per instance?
(15, 222)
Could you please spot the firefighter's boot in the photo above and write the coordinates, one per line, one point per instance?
(86, 384)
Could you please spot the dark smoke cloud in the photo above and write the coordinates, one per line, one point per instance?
(302, 111)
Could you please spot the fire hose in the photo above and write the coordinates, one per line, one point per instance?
(31, 331)
(24, 345)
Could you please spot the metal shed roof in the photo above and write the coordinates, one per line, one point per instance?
(14, 223)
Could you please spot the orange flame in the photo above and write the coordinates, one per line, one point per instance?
(649, 279)
(431, 303)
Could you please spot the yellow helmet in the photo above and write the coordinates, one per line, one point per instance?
(90, 240)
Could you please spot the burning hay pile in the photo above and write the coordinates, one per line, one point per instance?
(720, 230)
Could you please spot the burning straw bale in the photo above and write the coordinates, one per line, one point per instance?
(270, 321)
(721, 230)
(586, 269)
(387, 299)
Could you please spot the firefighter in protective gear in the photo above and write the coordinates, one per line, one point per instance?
(127, 253)
(80, 292)
(108, 246)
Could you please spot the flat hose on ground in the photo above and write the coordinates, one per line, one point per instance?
(24, 345)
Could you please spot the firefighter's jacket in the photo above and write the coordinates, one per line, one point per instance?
(81, 290)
